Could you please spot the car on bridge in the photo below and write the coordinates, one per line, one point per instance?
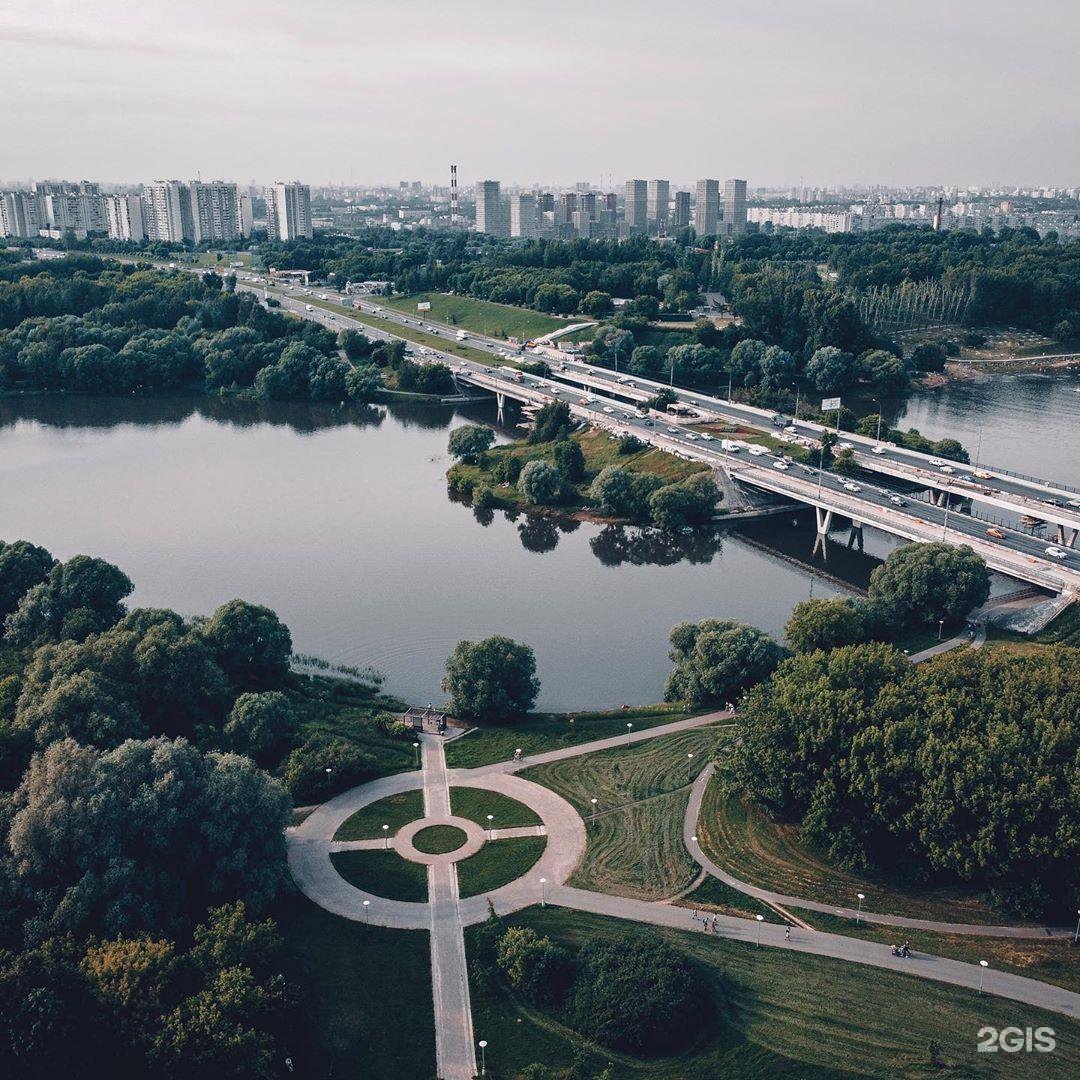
(996, 533)
(849, 486)
(896, 500)
(1056, 552)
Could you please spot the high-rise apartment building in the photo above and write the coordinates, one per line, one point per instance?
(658, 204)
(523, 219)
(491, 213)
(610, 201)
(214, 211)
(707, 207)
(637, 204)
(681, 218)
(124, 217)
(587, 203)
(19, 214)
(167, 211)
(734, 207)
(245, 215)
(288, 210)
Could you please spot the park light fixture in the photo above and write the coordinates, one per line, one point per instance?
(982, 973)
(386, 835)
(858, 913)
(543, 892)
(760, 920)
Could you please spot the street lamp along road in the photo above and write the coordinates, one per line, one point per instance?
(543, 892)
(858, 913)
(982, 973)
(483, 1057)
(386, 835)
(760, 920)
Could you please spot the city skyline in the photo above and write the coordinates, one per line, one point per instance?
(835, 95)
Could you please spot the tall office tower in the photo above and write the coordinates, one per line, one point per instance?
(568, 203)
(706, 207)
(545, 203)
(214, 211)
(659, 200)
(734, 207)
(491, 215)
(288, 210)
(582, 223)
(19, 214)
(523, 220)
(681, 217)
(587, 203)
(167, 211)
(610, 201)
(124, 217)
(637, 204)
(245, 215)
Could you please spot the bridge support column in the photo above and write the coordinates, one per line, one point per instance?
(1072, 538)
(824, 520)
(856, 534)
(1061, 535)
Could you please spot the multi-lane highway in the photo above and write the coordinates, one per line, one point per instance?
(582, 386)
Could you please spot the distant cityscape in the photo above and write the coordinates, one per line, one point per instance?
(218, 211)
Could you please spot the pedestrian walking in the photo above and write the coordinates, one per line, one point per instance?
(695, 914)
(787, 933)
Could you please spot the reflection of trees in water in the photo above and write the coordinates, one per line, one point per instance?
(413, 414)
(484, 515)
(615, 545)
(71, 410)
(539, 533)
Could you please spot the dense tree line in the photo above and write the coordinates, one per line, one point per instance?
(960, 769)
(81, 324)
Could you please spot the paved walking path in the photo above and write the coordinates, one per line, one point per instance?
(454, 1050)
(444, 916)
(768, 896)
(874, 954)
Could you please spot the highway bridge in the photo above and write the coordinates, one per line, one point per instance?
(596, 395)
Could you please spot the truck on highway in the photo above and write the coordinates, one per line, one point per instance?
(461, 335)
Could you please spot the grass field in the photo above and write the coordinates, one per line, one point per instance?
(1064, 630)
(363, 995)
(714, 895)
(383, 873)
(475, 805)
(479, 316)
(745, 841)
(599, 449)
(394, 810)
(1049, 960)
(498, 863)
(779, 1014)
(635, 846)
(439, 839)
(541, 732)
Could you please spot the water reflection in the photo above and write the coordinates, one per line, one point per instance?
(617, 545)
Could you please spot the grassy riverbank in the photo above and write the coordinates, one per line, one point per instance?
(479, 316)
(599, 449)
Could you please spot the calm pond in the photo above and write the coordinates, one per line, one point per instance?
(340, 521)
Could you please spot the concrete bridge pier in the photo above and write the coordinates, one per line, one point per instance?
(500, 401)
(824, 520)
(1062, 542)
(855, 535)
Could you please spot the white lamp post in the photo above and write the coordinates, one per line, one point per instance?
(386, 836)
(543, 892)
(628, 729)
(690, 766)
(490, 817)
(367, 904)
(982, 974)
(593, 801)
(416, 747)
(760, 920)
(483, 1057)
(858, 913)
(1076, 936)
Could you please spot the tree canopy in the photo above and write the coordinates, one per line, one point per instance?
(717, 659)
(493, 680)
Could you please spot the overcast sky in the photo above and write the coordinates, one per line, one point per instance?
(830, 91)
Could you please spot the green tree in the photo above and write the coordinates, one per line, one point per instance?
(622, 493)
(261, 725)
(22, 566)
(80, 597)
(250, 644)
(824, 624)
(321, 766)
(928, 357)
(470, 442)
(646, 360)
(570, 459)
(541, 483)
(716, 660)
(596, 303)
(639, 996)
(689, 504)
(746, 360)
(537, 969)
(920, 584)
(831, 369)
(885, 372)
(491, 680)
(553, 422)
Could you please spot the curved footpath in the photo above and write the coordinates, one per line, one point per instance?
(693, 812)
(445, 915)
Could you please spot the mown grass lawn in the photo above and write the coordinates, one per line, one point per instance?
(395, 811)
(635, 840)
(498, 863)
(363, 994)
(540, 732)
(742, 839)
(439, 839)
(479, 316)
(383, 873)
(475, 805)
(779, 1014)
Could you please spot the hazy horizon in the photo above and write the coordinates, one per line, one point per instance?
(374, 92)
